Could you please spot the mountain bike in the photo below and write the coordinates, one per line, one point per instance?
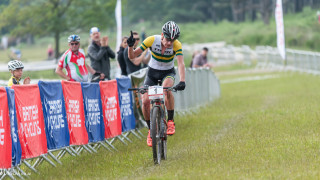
(158, 124)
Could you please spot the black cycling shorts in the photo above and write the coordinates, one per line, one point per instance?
(154, 75)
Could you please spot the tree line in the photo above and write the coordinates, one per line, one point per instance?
(212, 10)
(23, 18)
(51, 18)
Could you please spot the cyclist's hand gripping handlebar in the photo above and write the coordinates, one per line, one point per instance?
(140, 90)
(181, 86)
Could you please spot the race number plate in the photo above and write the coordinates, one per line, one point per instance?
(155, 92)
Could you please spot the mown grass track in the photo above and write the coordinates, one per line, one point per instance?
(266, 129)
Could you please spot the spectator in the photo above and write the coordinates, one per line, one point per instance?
(16, 69)
(200, 60)
(121, 61)
(99, 53)
(74, 62)
(134, 64)
(192, 58)
(15, 54)
(50, 52)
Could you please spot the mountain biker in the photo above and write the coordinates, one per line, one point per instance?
(163, 48)
(16, 69)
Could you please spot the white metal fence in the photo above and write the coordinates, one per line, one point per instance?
(265, 57)
(296, 60)
(202, 87)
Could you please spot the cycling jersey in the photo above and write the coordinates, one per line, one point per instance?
(13, 80)
(75, 65)
(161, 61)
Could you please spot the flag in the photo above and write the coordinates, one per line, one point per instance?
(280, 29)
(125, 100)
(111, 108)
(5, 136)
(30, 121)
(119, 24)
(75, 112)
(54, 113)
(93, 111)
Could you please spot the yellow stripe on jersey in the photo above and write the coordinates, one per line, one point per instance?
(161, 58)
(177, 46)
(147, 43)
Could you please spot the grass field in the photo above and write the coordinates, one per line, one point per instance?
(266, 129)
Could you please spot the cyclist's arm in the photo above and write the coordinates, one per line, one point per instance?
(90, 69)
(132, 54)
(137, 61)
(181, 67)
(61, 73)
(146, 59)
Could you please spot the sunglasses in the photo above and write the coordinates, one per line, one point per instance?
(74, 44)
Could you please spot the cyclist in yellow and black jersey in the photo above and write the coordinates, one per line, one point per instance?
(164, 48)
(16, 69)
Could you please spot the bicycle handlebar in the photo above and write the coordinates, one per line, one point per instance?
(143, 90)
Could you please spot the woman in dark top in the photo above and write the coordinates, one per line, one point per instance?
(121, 60)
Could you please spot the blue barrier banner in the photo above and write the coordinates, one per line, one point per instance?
(125, 99)
(54, 113)
(93, 111)
(16, 147)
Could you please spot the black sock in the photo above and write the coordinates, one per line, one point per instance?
(170, 114)
(148, 123)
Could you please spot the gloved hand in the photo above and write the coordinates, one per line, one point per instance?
(180, 86)
(131, 40)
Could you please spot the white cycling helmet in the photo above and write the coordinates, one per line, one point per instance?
(171, 30)
(14, 65)
(73, 38)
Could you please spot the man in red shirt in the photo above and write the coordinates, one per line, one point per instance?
(74, 62)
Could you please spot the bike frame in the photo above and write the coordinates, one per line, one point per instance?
(159, 103)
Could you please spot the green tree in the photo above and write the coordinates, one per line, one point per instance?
(53, 17)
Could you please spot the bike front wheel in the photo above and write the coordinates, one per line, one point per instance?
(164, 140)
(155, 135)
(164, 149)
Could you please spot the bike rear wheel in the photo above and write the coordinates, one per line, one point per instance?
(155, 134)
